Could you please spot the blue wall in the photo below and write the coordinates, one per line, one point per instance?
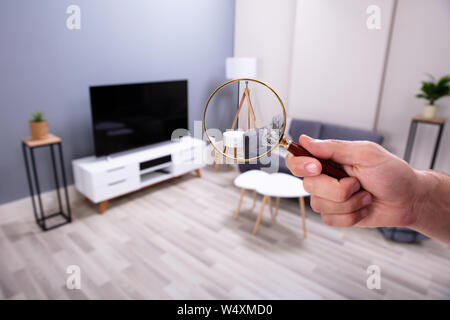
(45, 66)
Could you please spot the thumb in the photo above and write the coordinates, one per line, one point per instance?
(340, 151)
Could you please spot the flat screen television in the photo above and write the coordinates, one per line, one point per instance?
(129, 116)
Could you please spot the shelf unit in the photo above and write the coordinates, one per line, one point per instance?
(101, 179)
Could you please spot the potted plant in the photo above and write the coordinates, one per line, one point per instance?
(432, 91)
(38, 126)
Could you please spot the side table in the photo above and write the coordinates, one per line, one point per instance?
(28, 147)
(440, 122)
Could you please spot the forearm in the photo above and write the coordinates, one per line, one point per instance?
(432, 206)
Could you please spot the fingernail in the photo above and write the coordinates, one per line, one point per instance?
(311, 168)
(366, 200)
(356, 187)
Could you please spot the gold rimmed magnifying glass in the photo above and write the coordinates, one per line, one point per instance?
(253, 126)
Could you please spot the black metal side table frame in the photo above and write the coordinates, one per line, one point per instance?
(32, 176)
(412, 135)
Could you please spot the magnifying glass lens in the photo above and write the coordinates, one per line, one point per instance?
(244, 120)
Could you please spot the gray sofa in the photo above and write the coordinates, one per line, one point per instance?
(318, 130)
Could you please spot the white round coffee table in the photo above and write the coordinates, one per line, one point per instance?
(249, 180)
(278, 185)
(281, 185)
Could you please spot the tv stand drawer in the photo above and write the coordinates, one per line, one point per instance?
(116, 188)
(114, 174)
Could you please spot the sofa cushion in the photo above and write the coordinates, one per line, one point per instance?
(334, 131)
(308, 127)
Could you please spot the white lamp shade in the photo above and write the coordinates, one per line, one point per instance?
(242, 67)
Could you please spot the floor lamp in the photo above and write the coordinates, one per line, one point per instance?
(240, 67)
(236, 68)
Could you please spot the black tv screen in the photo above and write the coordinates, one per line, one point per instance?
(129, 116)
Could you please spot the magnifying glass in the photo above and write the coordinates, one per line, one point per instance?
(245, 120)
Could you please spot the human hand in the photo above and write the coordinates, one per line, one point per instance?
(390, 187)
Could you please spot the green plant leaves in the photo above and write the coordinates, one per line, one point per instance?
(37, 116)
(432, 90)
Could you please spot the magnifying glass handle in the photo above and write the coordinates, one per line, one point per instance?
(329, 167)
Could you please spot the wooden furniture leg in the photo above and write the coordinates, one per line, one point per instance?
(258, 220)
(236, 215)
(272, 219)
(197, 172)
(254, 199)
(220, 159)
(302, 212)
(216, 160)
(248, 118)
(102, 206)
(249, 106)
(238, 111)
(277, 204)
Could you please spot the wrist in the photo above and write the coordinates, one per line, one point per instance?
(431, 206)
(426, 184)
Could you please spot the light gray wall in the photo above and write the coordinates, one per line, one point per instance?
(337, 62)
(270, 43)
(420, 44)
(43, 65)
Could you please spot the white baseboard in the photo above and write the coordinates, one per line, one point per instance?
(19, 208)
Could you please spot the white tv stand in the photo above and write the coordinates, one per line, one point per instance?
(101, 179)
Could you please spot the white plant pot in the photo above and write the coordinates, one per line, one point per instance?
(429, 111)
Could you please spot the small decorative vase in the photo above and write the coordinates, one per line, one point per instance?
(39, 130)
(429, 111)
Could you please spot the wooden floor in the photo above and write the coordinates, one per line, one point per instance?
(178, 240)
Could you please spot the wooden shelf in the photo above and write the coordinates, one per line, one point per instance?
(421, 118)
(38, 143)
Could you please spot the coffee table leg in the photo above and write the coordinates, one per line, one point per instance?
(302, 212)
(254, 199)
(258, 220)
(277, 204)
(272, 219)
(236, 215)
